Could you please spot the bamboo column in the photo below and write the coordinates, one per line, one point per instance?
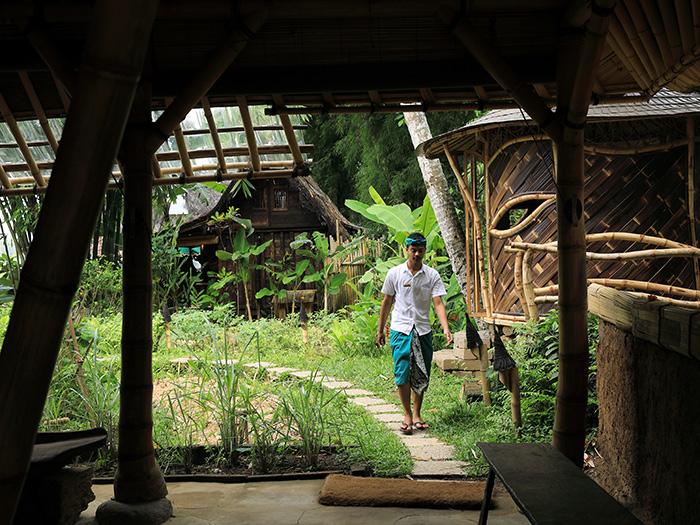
(576, 73)
(690, 127)
(138, 478)
(575, 86)
(54, 263)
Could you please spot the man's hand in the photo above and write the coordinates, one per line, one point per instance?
(448, 336)
(380, 340)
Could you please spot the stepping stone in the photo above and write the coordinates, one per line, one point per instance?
(354, 392)
(432, 452)
(366, 401)
(336, 384)
(261, 364)
(278, 370)
(420, 439)
(225, 362)
(389, 418)
(381, 409)
(438, 469)
(301, 374)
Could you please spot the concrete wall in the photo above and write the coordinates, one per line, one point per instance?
(649, 434)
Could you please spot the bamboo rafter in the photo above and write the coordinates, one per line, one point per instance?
(291, 137)
(214, 134)
(19, 138)
(36, 105)
(249, 134)
(183, 153)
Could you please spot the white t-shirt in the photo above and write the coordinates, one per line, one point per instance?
(413, 295)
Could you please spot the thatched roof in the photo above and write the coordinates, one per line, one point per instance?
(311, 196)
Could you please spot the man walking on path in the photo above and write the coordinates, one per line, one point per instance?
(409, 288)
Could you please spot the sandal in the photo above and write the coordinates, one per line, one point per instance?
(421, 425)
(406, 428)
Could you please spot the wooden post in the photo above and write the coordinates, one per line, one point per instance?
(63, 234)
(138, 478)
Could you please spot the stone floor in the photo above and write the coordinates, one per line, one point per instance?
(295, 502)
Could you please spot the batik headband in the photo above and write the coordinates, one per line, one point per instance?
(416, 242)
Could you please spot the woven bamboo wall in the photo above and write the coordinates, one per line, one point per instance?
(643, 193)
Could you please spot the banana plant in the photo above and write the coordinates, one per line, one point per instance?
(244, 255)
(319, 251)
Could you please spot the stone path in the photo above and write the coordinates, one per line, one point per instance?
(433, 459)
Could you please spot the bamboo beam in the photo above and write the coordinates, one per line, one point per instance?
(138, 478)
(37, 35)
(6, 183)
(170, 181)
(199, 86)
(639, 286)
(19, 138)
(38, 110)
(183, 153)
(214, 134)
(289, 133)
(692, 221)
(64, 231)
(249, 133)
(518, 90)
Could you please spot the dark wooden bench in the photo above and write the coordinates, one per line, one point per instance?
(53, 492)
(548, 487)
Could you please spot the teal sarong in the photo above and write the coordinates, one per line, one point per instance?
(413, 356)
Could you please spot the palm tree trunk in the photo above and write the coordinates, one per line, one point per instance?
(439, 195)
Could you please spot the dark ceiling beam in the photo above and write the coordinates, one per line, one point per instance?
(81, 11)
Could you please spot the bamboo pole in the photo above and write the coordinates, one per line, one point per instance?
(38, 110)
(204, 80)
(569, 430)
(487, 211)
(213, 131)
(6, 182)
(466, 195)
(19, 138)
(467, 230)
(528, 286)
(138, 478)
(183, 153)
(249, 133)
(518, 279)
(622, 284)
(690, 127)
(289, 133)
(547, 200)
(64, 231)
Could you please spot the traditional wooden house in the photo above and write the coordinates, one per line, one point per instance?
(279, 210)
(639, 208)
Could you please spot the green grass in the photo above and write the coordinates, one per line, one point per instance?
(210, 335)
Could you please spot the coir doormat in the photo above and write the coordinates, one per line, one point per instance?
(356, 491)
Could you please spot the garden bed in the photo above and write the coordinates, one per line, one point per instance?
(205, 466)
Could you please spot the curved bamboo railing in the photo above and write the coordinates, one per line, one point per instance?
(547, 200)
(532, 296)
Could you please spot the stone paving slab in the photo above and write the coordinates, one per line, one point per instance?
(336, 384)
(438, 469)
(367, 401)
(356, 392)
(420, 439)
(432, 452)
(381, 409)
(390, 418)
(279, 370)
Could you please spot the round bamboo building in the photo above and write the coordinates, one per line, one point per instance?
(640, 223)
